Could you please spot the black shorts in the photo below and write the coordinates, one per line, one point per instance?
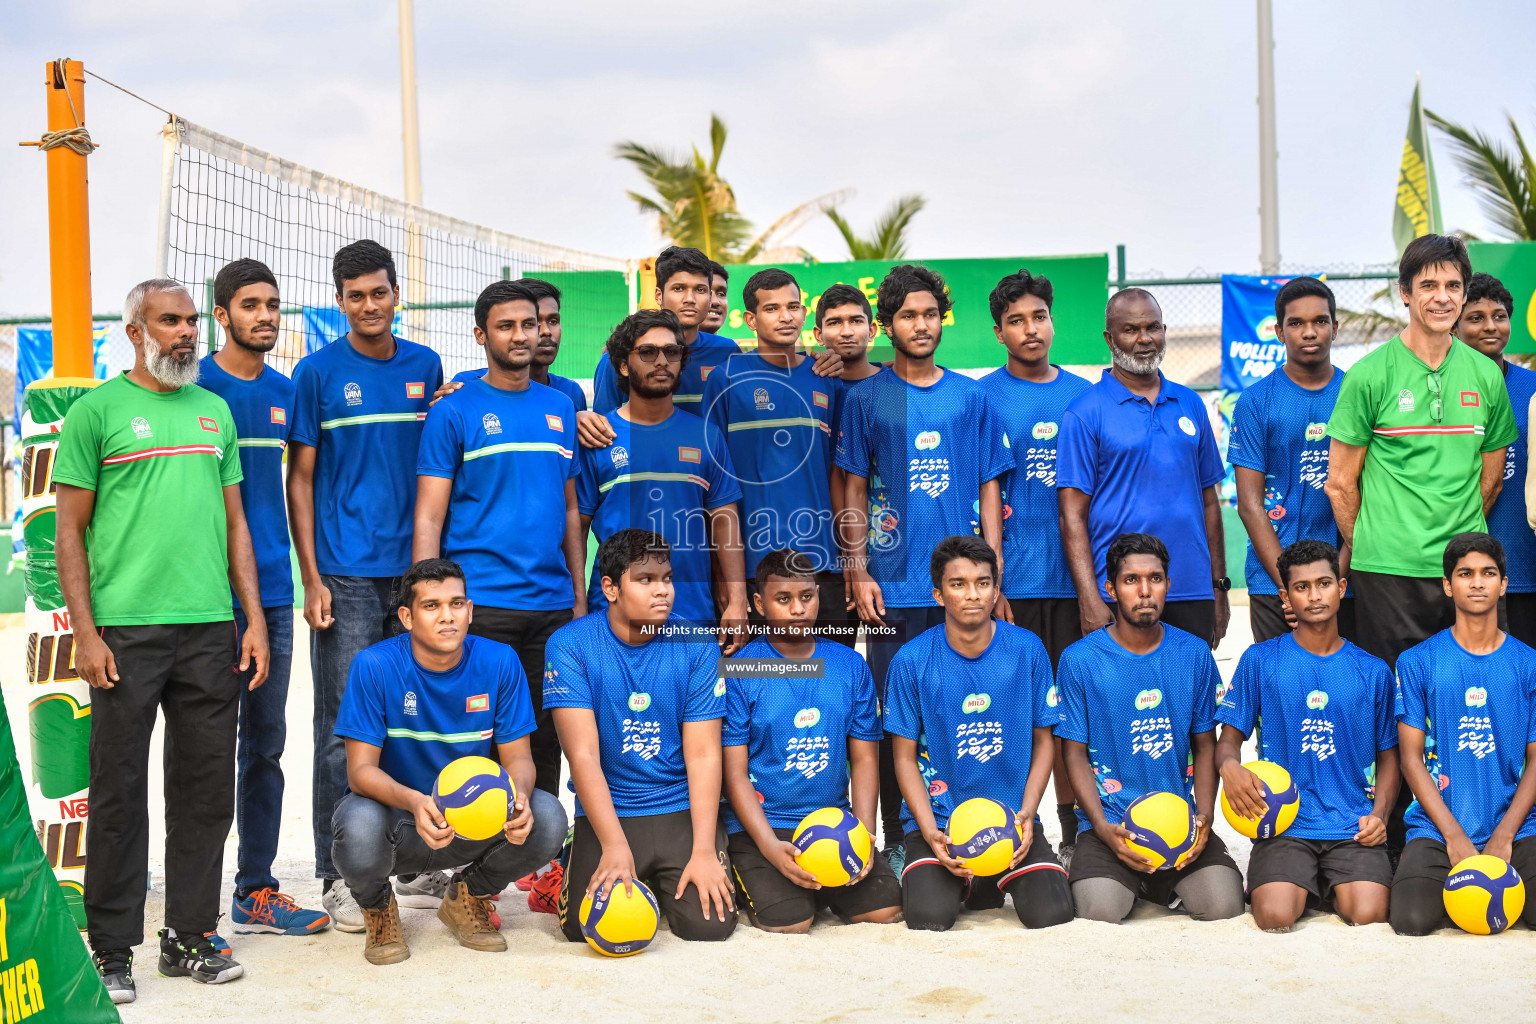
(981, 892)
(1428, 859)
(776, 902)
(1317, 865)
(1267, 620)
(1092, 858)
(1393, 613)
(1055, 620)
(661, 845)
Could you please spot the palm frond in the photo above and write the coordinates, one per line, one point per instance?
(888, 240)
(1499, 180)
(781, 229)
(846, 230)
(717, 133)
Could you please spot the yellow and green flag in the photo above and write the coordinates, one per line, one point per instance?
(1417, 211)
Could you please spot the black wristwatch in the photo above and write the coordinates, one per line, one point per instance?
(1222, 583)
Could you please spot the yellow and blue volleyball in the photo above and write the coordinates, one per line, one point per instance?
(1281, 800)
(1162, 828)
(620, 924)
(834, 845)
(983, 836)
(475, 796)
(1484, 895)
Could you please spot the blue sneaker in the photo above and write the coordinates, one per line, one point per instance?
(896, 855)
(220, 944)
(267, 910)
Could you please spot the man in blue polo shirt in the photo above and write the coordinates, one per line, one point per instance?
(777, 419)
(1279, 445)
(414, 703)
(544, 353)
(1137, 455)
(359, 404)
(503, 436)
(260, 399)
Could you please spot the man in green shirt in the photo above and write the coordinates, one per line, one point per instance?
(1417, 454)
(148, 478)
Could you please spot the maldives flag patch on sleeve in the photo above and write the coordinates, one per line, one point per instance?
(210, 425)
(820, 399)
(555, 422)
(279, 415)
(480, 702)
(416, 390)
(688, 454)
(1470, 398)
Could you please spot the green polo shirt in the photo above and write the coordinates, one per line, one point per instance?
(1419, 484)
(159, 463)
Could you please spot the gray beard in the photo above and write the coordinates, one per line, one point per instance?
(1130, 364)
(166, 368)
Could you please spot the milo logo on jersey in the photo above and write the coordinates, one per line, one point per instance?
(975, 703)
(1052, 696)
(1477, 697)
(1146, 700)
(926, 441)
(1044, 431)
(1317, 700)
(639, 701)
(807, 717)
(1316, 431)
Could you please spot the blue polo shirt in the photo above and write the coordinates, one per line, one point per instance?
(1144, 466)
(1506, 520)
(707, 352)
(567, 387)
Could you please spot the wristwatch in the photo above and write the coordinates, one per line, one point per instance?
(1222, 583)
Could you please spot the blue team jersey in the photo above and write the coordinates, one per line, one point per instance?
(1280, 429)
(1325, 720)
(424, 719)
(509, 455)
(660, 477)
(1033, 562)
(640, 696)
(1477, 713)
(973, 719)
(796, 731)
(926, 451)
(1506, 520)
(707, 352)
(262, 409)
(364, 417)
(778, 424)
(567, 387)
(1144, 468)
(1136, 713)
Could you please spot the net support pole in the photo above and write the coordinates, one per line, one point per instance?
(167, 179)
(69, 224)
(410, 134)
(1269, 156)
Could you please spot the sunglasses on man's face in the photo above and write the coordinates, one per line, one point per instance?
(648, 353)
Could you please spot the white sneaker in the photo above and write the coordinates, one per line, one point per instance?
(424, 892)
(339, 902)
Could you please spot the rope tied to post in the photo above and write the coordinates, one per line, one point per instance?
(77, 139)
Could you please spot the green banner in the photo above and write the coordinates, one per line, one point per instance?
(1080, 283)
(592, 302)
(1513, 263)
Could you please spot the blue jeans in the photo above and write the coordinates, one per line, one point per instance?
(374, 841)
(258, 769)
(363, 608)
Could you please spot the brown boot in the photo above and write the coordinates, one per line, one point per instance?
(384, 942)
(469, 918)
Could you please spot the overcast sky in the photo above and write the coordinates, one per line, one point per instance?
(1032, 128)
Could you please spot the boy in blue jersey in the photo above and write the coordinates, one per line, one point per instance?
(261, 400)
(1466, 717)
(719, 299)
(923, 452)
(504, 436)
(544, 353)
(794, 743)
(669, 472)
(1327, 708)
(1485, 325)
(1137, 455)
(1139, 716)
(359, 405)
(845, 325)
(1030, 395)
(1279, 447)
(638, 702)
(414, 703)
(777, 419)
(970, 706)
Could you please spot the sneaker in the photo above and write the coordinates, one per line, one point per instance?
(385, 942)
(1064, 856)
(195, 958)
(342, 907)
(896, 856)
(526, 882)
(116, 968)
(469, 918)
(267, 910)
(424, 892)
(220, 943)
(544, 895)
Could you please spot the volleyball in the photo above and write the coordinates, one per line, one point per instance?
(1281, 797)
(1162, 828)
(1484, 895)
(475, 795)
(834, 845)
(620, 924)
(983, 836)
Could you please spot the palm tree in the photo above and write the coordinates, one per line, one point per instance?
(1503, 180)
(693, 204)
(888, 239)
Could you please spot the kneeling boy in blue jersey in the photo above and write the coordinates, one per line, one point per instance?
(792, 742)
(970, 706)
(637, 701)
(1327, 708)
(413, 703)
(1138, 716)
(1466, 717)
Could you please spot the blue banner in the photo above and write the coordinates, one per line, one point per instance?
(324, 324)
(1250, 344)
